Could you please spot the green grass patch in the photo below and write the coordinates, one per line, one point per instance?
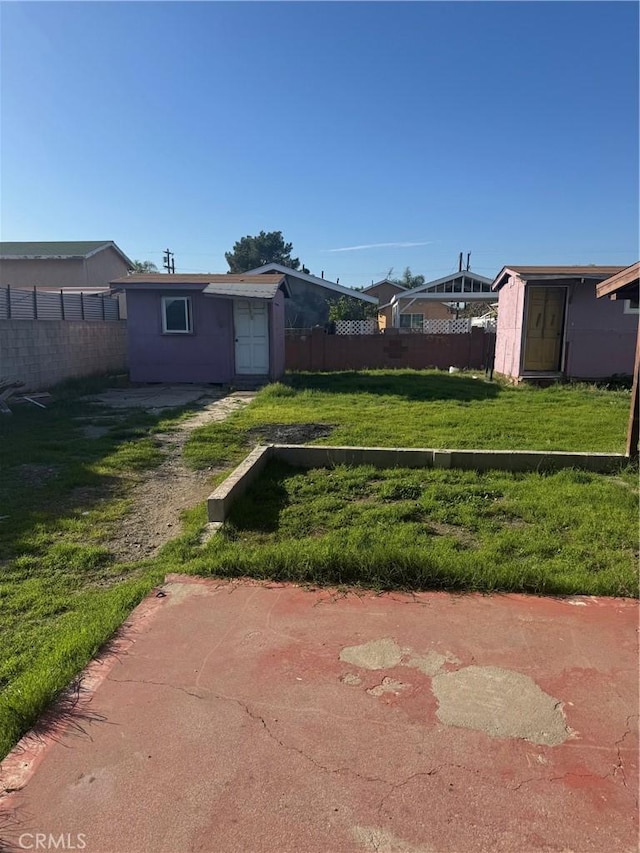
(53, 630)
(411, 408)
(62, 594)
(432, 529)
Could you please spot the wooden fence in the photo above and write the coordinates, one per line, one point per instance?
(319, 351)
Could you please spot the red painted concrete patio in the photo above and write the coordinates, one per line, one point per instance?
(252, 717)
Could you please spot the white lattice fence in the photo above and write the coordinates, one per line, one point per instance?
(447, 327)
(356, 327)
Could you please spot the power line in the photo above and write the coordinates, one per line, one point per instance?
(168, 262)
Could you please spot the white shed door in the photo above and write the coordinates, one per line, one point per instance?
(251, 323)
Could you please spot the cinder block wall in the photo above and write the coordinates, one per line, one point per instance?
(41, 353)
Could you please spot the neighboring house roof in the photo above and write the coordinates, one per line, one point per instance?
(624, 283)
(540, 273)
(442, 289)
(57, 250)
(312, 279)
(384, 281)
(213, 284)
(435, 283)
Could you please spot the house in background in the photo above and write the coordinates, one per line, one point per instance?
(551, 326)
(384, 291)
(205, 328)
(310, 297)
(434, 300)
(82, 265)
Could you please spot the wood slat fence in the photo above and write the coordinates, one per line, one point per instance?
(17, 304)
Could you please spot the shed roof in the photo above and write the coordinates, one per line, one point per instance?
(213, 284)
(591, 271)
(247, 289)
(624, 283)
(57, 249)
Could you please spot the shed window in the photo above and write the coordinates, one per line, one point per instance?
(631, 306)
(176, 315)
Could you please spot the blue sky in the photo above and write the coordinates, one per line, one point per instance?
(506, 129)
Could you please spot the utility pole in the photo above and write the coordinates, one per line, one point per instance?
(460, 262)
(168, 262)
(468, 260)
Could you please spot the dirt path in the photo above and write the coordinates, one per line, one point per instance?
(162, 493)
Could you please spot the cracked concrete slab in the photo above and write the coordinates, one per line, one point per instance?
(379, 840)
(223, 719)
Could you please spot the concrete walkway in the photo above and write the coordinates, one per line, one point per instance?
(246, 717)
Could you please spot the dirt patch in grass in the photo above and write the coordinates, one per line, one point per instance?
(464, 536)
(513, 522)
(162, 493)
(290, 433)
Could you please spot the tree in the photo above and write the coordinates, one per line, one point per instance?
(348, 308)
(408, 280)
(144, 266)
(266, 248)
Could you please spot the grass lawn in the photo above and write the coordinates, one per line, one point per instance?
(561, 533)
(62, 593)
(408, 408)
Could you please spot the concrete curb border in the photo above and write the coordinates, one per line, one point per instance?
(321, 456)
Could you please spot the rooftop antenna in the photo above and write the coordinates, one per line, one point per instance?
(468, 260)
(460, 262)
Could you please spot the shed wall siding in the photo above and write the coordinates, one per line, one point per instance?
(207, 355)
(509, 330)
(600, 337)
